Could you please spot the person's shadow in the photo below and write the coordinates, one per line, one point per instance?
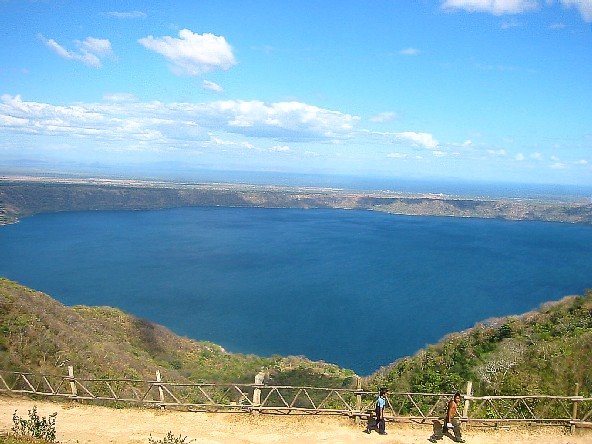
(438, 432)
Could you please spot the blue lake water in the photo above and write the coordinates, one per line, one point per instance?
(355, 288)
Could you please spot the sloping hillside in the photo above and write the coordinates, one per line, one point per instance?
(544, 351)
(39, 334)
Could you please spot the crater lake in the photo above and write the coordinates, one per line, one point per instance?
(355, 288)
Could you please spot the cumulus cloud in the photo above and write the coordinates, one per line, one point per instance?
(519, 157)
(422, 139)
(127, 15)
(211, 86)
(383, 117)
(497, 153)
(496, 7)
(294, 121)
(90, 51)
(192, 54)
(122, 118)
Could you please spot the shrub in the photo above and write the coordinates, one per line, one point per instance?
(35, 426)
(169, 439)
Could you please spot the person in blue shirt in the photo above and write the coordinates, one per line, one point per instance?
(379, 412)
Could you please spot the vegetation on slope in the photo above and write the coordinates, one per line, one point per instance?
(545, 351)
(39, 334)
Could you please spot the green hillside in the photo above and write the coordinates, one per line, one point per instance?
(39, 334)
(544, 351)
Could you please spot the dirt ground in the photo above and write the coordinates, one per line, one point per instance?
(77, 423)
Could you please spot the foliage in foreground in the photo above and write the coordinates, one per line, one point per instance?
(11, 439)
(35, 426)
(546, 351)
(170, 439)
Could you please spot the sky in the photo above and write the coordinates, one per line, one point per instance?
(494, 90)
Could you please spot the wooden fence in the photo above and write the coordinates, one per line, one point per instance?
(571, 411)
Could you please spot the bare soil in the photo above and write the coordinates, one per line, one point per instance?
(77, 423)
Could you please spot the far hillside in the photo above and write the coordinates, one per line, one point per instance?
(545, 351)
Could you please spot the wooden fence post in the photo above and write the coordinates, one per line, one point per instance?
(259, 378)
(73, 388)
(358, 400)
(160, 391)
(467, 401)
(574, 409)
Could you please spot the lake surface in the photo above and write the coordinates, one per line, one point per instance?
(355, 288)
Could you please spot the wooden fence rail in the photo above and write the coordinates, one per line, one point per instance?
(572, 411)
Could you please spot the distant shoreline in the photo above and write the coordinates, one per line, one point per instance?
(22, 196)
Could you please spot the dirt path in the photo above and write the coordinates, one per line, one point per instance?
(86, 424)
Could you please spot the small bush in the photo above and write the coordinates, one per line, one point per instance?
(169, 439)
(35, 426)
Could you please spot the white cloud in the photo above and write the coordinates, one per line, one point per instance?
(127, 15)
(120, 97)
(424, 139)
(497, 153)
(211, 86)
(558, 166)
(502, 7)
(90, 51)
(409, 51)
(496, 7)
(122, 117)
(383, 117)
(192, 54)
(583, 6)
(519, 157)
(438, 153)
(581, 162)
(284, 120)
(220, 142)
(536, 156)
(99, 47)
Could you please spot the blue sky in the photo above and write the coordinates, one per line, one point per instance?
(497, 90)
